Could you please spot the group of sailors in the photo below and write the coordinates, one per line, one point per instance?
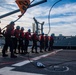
(18, 41)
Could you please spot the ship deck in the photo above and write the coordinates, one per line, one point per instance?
(56, 62)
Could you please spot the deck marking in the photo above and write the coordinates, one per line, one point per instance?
(36, 58)
(8, 71)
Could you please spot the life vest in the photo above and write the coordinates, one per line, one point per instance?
(46, 38)
(21, 34)
(41, 38)
(9, 30)
(34, 37)
(17, 33)
(51, 39)
(27, 35)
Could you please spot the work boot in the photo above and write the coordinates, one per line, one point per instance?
(4, 55)
(37, 52)
(13, 56)
(41, 51)
(32, 51)
(45, 50)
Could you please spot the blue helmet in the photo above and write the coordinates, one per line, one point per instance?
(22, 28)
(12, 23)
(29, 30)
(18, 27)
(42, 33)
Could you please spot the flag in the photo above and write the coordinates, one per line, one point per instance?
(23, 5)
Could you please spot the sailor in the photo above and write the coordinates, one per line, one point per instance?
(41, 42)
(21, 41)
(51, 41)
(27, 38)
(34, 39)
(9, 41)
(46, 42)
(16, 40)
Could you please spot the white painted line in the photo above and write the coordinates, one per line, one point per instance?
(21, 63)
(7, 71)
(67, 69)
(36, 58)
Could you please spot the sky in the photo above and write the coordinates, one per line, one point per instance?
(62, 16)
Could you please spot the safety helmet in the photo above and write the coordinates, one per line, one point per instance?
(22, 28)
(36, 32)
(17, 27)
(42, 33)
(12, 23)
(29, 30)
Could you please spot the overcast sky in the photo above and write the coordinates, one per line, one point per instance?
(62, 16)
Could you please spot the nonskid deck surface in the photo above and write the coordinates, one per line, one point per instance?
(57, 62)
